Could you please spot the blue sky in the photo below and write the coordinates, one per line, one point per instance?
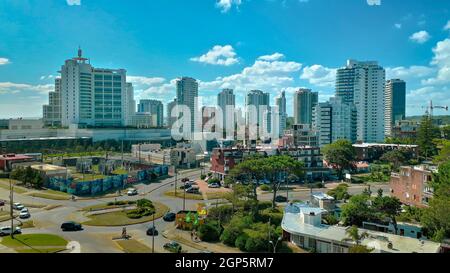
(272, 45)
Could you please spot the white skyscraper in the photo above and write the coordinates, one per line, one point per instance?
(280, 102)
(52, 111)
(93, 96)
(362, 83)
(187, 94)
(226, 100)
(335, 120)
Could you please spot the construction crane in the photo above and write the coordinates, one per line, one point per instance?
(431, 107)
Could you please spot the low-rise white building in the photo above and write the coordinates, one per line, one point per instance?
(302, 226)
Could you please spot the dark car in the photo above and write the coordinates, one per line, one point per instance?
(280, 199)
(152, 231)
(2, 203)
(71, 226)
(169, 217)
(173, 247)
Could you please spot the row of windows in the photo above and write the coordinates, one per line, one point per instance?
(108, 77)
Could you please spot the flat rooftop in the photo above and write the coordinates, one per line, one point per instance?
(367, 145)
(378, 240)
(48, 167)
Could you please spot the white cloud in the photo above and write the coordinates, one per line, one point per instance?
(12, 88)
(374, 2)
(447, 26)
(418, 98)
(420, 37)
(73, 2)
(269, 76)
(412, 72)
(225, 5)
(319, 75)
(398, 26)
(46, 77)
(218, 55)
(4, 61)
(274, 57)
(441, 61)
(141, 80)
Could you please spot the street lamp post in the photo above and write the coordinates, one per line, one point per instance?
(11, 197)
(153, 237)
(275, 244)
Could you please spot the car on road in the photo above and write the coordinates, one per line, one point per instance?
(173, 247)
(24, 214)
(18, 206)
(4, 231)
(71, 226)
(214, 186)
(2, 203)
(132, 192)
(280, 199)
(169, 217)
(152, 231)
(193, 189)
(185, 186)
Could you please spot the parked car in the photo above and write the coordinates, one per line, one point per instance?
(214, 186)
(173, 247)
(18, 206)
(24, 214)
(24, 210)
(185, 186)
(2, 203)
(132, 192)
(71, 226)
(169, 217)
(193, 189)
(152, 231)
(4, 231)
(280, 199)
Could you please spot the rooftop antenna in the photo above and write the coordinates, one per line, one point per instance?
(80, 52)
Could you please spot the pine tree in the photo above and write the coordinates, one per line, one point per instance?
(425, 136)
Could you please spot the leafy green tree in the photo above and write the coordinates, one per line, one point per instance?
(340, 192)
(445, 132)
(341, 155)
(395, 157)
(210, 231)
(444, 151)
(354, 235)
(389, 207)
(436, 218)
(426, 134)
(278, 166)
(357, 210)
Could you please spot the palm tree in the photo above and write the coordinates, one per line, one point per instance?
(354, 236)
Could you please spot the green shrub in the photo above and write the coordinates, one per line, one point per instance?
(223, 213)
(255, 244)
(241, 241)
(265, 188)
(213, 181)
(210, 231)
(202, 177)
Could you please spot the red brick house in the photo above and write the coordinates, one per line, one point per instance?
(412, 186)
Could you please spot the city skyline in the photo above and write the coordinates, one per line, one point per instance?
(411, 45)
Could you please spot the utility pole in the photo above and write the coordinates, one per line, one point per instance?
(184, 199)
(153, 237)
(176, 178)
(11, 197)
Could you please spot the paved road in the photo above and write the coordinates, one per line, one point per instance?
(98, 239)
(305, 194)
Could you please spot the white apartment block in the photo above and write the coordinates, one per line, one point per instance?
(362, 83)
(93, 96)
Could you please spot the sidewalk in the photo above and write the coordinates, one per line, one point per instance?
(184, 237)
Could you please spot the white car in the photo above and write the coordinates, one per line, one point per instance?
(24, 210)
(4, 231)
(132, 192)
(214, 186)
(24, 215)
(18, 206)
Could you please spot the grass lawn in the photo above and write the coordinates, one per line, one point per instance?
(35, 243)
(78, 177)
(216, 195)
(133, 246)
(4, 184)
(120, 218)
(106, 206)
(120, 171)
(180, 194)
